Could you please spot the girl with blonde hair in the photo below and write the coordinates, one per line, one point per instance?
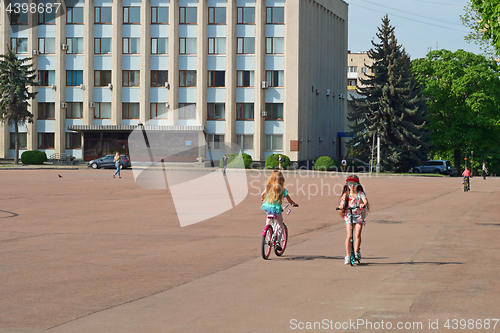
(273, 197)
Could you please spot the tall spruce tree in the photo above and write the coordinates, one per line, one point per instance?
(16, 78)
(391, 104)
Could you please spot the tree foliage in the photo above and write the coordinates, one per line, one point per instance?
(489, 25)
(390, 105)
(463, 102)
(16, 78)
(472, 20)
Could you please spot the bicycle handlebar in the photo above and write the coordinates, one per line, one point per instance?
(350, 208)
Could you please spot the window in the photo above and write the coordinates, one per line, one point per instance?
(131, 15)
(74, 15)
(244, 111)
(216, 111)
(187, 78)
(46, 110)
(275, 15)
(102, 110)
(187, 110)
(74, 78)
(215, 141)
(216, 78)
(102, 78)
(274, 142)
(158, 78)
(131, 78)
(159, 45)
(187, 45)
(19, 45)
(216, 15)
(74, 110)
(352, 69)
(245, 142)
(46, 45)
(102, 45)
(351, 82)
(46, 140)
(363, 70)
(275, 78)
(158, 110)
(103, 15)
(217, 45)
(245, 45)
(73, 140)
(75, 45)
(131, 45)
(19, 18)
(275, 45)
(130, 110)
(187, 15)
(23, 139)
(46, 78)
(44, 17)
(274, 111)
(159, 15)
(246, 15)
(245, 78)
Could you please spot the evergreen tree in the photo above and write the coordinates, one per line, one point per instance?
(391, 105)
(16, 78)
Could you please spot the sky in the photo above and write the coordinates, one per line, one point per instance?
(420, 25)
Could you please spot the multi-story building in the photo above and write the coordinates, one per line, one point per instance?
(357, 68)
(268, 75)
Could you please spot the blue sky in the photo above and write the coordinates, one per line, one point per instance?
(420, 25)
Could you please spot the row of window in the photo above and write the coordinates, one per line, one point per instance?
(159, 15)
(187, 78)
(131, 45)
(215, 141)
(215, 111)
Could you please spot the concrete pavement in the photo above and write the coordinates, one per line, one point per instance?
(88, 253)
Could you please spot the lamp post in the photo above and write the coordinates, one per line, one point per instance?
(471, 161)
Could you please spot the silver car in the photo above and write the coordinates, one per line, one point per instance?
(434, 166)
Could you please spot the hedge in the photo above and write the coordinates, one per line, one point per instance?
(324, 163)
(33, 157)
(272, 161)
(236, 162)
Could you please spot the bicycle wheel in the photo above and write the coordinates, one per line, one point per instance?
(267, 241)
(284, 240)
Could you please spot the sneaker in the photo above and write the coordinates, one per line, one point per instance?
(347, 260)
(358, 255)
(278, 248)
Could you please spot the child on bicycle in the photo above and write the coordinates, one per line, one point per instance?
(466, 175)
(353, 195)
(273, 197)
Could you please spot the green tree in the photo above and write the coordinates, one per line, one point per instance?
(471, 19)
(390, 105)
(489, 23)
(16, 78)
(463, 102)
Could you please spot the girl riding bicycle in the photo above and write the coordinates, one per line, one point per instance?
(353, 195)
(273, 199)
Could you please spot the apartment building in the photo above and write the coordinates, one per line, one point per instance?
(268, 75)
(357, 68)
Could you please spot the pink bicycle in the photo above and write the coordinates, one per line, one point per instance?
(270, 234)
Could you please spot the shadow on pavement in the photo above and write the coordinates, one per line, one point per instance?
(12, 214)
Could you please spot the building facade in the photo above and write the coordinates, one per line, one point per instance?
(268, 75)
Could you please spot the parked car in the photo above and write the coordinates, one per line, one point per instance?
(357, 165)
(108, 161)
(434, 166)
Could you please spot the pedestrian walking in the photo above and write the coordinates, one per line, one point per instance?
(117, 165)
(484, 171)
(224, 163)
(344, 164)
(280, 160)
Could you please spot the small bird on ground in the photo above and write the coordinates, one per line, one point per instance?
(59, 175)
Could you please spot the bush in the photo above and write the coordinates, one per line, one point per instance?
(33, 157)
(324, 163)
(235, 162)
(272, 161)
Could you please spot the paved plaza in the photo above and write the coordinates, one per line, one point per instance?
(88, 253)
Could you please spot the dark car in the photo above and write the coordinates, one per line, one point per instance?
(434, 166)
(108, 161)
